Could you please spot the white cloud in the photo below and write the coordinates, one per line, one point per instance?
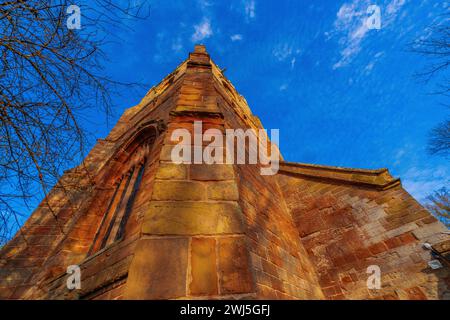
(350, 26)
(399, 155)
(394, 6)
(369, 67)
(282, 52)
(286, 52)
(204, 4)
(350, 22)
(250, 8)
(202, 31)
(293, 62)
(421, 182)
(177, 45)
(236, 37)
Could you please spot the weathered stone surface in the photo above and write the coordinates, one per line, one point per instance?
(203, 267)
(190, 218)
(171, 171)
(429, 230)
(158, 269)
(223, 190)
(234, 267)
(178, 190)
(211, 172)
(350, 228)
(166, 153)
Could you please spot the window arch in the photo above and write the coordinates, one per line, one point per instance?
(130, 161)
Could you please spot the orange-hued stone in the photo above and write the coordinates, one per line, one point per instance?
(140, 226)
(158, 270)
(203, 267)
(234, 267)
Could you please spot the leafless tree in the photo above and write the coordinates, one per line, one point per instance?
(439, 205)
(435, 45)
(49, 75)
(439, 141)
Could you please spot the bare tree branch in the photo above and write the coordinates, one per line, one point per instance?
(439, 205)
(49, 75)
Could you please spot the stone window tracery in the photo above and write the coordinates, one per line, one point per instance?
(120, 206)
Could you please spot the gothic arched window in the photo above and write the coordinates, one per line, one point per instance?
(130, 162)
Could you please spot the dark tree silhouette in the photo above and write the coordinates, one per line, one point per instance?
(440, 205)
(436, 47)
(439, 141)
(49, 74)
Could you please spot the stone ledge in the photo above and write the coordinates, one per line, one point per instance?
(379, 179)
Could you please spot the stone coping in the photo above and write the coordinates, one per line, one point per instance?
(379, 179)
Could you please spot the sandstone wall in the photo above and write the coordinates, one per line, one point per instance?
(280, 264)
(61, 230)
(345, 227)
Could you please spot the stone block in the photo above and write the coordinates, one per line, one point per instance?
(378, 248)
(211, 172)
(158, 269)
(178, 190)
(393, 242)
(429, 230)
(234, 268)
(407, 238)
(192, 218)
(171, 171)
(415, 293)
(203, 267)
(223, 190)
(166, 153)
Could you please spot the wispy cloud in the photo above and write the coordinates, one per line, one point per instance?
(351, 28)
(177, 45)
(282, 52)
(286, 52)
(350, 22)
(293, 60)
(250, 7)
(236, 37)
(204, 4)
(399, 155)
(394, 6)
(421, 182)
(202, 31)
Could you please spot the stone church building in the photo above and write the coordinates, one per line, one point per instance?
(142, 227)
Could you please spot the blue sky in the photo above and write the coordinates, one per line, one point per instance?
(340, 94)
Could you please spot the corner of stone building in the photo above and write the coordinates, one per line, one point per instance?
(193, 242)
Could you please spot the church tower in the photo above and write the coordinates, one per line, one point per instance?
(140, 226)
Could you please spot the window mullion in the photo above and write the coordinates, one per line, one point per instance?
(123, 204)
